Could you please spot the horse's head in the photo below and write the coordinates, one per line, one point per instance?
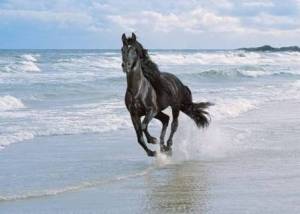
(133, 60)
(127, 43)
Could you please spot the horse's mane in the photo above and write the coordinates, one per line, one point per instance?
(150, 69)
(143, 53)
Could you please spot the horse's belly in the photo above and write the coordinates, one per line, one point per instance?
(164, 101)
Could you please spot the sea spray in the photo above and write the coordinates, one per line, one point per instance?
(190, 143)
(162, 159)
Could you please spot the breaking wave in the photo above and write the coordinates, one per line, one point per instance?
(110, 116)
(226, 58)
(29, 64)
(229, 108)
(9, 103)
(246, 73)
(24, 63)
(29, 57)
(78, 119)
(70, 73)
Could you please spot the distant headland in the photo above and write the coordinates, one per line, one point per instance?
(271, 49)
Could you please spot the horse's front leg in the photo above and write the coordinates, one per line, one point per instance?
(150, 113)
(139, 133)
(150, 139)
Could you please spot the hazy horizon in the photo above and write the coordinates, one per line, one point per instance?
(151, 49)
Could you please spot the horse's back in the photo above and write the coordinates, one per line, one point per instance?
(173, 83)
(174, 91)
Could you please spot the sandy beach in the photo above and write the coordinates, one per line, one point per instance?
(256, 173)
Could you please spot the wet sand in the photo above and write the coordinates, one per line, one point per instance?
(252, 166)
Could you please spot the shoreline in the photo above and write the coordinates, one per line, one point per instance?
(249, 162)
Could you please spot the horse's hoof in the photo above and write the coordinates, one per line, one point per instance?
(168, 151)
(169, 143)
(163, 148)
(152, 140)
(151, 153)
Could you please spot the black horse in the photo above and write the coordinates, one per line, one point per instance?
(150, 91)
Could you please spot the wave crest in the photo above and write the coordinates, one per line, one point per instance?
(228, 108)
(29, 57)
(10, 103)
(242, 72)
(225, 58)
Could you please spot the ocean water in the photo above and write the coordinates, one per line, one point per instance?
(67, 144)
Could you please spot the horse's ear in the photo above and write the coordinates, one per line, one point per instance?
(133, 36)
(124, 39)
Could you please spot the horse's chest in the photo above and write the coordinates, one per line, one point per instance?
(134, 104)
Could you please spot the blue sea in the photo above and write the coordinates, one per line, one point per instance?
(67, 144)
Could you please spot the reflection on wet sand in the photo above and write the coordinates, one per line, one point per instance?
(178, 188)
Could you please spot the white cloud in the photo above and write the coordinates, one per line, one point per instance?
(62, 13)
(271, 21)
(258, 3)
(198, 20)
(62, 18)
(218, 23)
(221, 4)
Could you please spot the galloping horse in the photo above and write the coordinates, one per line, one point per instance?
(150, 91)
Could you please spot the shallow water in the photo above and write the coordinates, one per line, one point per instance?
(67, 144)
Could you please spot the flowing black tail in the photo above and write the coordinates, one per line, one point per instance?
(196, 111)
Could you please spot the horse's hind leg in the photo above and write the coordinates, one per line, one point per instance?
(165, 121)
(174, 126)
(139, 133)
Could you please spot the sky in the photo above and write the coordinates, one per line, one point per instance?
(158, 24)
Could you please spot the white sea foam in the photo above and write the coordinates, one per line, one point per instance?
(78, 119)
(296, 84)
(108, 116)
(29, 66)
(229, 108)
(216, 142)
(29, 63)
(113, 62)
(162, 159)
(29, 57)
(7, 139)
(9, 103)
(246, 98)
(24, 63)
(221, 140)
(225, 58)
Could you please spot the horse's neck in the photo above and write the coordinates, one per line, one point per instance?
(135, 80)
